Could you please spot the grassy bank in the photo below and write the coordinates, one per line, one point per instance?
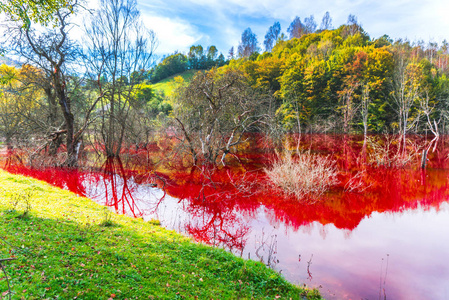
(68, 247)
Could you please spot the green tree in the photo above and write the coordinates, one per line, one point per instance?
(196, 57)
(28, 11)
(170, 65)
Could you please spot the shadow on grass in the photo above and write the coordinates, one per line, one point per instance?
(66, 259)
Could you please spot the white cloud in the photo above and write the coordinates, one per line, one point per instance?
(221, 22)
(172, 33)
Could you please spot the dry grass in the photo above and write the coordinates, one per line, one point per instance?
(306, 176)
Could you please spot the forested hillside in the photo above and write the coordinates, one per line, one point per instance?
(196, 59)
(342, 81)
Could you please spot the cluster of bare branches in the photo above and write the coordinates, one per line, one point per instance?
(120, 50)
(389, 151)
(214, 112)
(305, 176)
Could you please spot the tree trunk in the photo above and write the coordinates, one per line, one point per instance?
(64, 103)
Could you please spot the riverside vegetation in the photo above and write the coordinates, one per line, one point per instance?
(78, 249)
(118, 104)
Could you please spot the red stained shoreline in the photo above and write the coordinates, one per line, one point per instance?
(220, 213)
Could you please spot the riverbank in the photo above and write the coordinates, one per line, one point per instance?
(69, 247)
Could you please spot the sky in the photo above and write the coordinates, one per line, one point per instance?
(181, 24)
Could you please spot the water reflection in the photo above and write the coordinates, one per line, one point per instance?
(384, 239)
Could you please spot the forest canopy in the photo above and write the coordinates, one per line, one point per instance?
(324, 79)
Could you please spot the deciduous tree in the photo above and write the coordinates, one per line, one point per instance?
(296, 28)
(52, 51)
(406, 88)
(326, 22)
(28, 11)
(118, 45)
(248, 44)
(212, 113)
(272, 36)
(310, 24)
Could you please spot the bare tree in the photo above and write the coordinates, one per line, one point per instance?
(231, 53)
(296, 28)
(352, 26)
(214, 111)
(406, 88)
(118, 46)
(348, 107)
(310, 24)
(364, 108)
(248, 44)
(427, 107)
(431, 51)
(326, 22)
(272, 36)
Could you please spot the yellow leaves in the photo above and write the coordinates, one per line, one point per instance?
(8, 75)
(179, 80)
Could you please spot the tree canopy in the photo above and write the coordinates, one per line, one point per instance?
(27, 11)
(322, 78)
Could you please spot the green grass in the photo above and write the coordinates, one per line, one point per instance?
(167, 85)
(68, 247)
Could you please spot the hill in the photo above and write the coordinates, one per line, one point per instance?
(167, 85)
(324, 79)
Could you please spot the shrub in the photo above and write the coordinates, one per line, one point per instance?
(306, 176)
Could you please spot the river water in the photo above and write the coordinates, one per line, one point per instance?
(387, 240)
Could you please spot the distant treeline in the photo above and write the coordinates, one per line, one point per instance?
(342, 80)
(196, 59)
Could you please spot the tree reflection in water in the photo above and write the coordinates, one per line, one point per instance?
(235, 208)
(118, 193)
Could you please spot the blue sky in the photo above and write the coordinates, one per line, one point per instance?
(180, 24)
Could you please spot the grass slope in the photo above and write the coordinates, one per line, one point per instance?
(167, 85)
(68, 247)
